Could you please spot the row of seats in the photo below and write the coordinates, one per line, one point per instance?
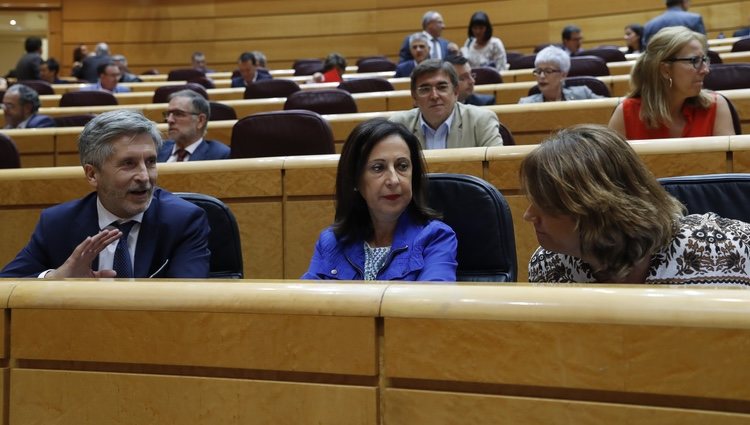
(482, 220)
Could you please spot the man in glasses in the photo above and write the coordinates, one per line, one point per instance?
(675, 15)
(466, 80)
(126, 227)
(109, 76)
(572, 39)
(439, 120)
(187, 116)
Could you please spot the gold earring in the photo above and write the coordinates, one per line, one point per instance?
(670, 82)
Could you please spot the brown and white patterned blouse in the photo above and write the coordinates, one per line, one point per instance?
(706, 249)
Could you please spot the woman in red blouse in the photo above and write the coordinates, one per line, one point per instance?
(667, 98)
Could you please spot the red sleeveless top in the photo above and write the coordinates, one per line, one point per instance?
(698, 122)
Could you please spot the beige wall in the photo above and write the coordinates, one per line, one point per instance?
(162, 34)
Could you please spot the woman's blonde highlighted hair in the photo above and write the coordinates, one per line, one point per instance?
(592, 174)
(647, 83)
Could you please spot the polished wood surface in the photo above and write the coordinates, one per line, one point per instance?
(292, 352)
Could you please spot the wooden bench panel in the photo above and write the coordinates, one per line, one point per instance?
(405, 407)
(38, 396)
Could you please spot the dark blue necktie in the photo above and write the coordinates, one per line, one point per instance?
(122, 263)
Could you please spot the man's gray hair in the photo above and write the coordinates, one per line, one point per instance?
(260, 58)
(428, 17)
(95, 141)
(102, 49)
(555, 55)
(199, 104)
(419, 36)
(26, 95)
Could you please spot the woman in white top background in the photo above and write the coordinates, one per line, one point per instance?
(481, 48)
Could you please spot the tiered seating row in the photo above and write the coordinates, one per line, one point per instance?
(530, 123)
(283, 203)
(367, 354)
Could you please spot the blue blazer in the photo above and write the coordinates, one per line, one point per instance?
(207, 150)
(173, 239)
(420, 252)
(40, 121)
(261, 75)
(673, 17)
(405, 53)
(480, 99)
(404, 69)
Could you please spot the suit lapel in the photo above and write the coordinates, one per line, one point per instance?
(200, 152)
(165, 152)
(417, 131)
(455, 133)
(147, 238)
(86, 224)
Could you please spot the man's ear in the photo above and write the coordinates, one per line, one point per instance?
(92, 175)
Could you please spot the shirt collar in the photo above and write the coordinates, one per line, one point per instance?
(423, 124)
(106, 218)
(190, 148)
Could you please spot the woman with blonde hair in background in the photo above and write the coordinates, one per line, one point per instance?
(667, 97)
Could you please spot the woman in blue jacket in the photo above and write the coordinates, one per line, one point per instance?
(383, 229)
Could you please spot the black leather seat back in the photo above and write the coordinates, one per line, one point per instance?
(728, 195)
(224, 240)
(482, 220)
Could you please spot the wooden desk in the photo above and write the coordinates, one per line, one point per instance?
(364, 354)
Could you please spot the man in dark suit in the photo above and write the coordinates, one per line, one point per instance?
(249, 71)
(675, 15)
(127, 227)
(27, 67)
(466, 83)
(89, 70)
(187, 116)
(420, 51)
(49, 71)
(432, 27)
(20, 105)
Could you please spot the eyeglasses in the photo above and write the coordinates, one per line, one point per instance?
(545, 71)
(696, 61)
(442, 89)
(465, 77)
(177, 113)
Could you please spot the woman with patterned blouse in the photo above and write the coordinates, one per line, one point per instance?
(601, 216)
(383, 229)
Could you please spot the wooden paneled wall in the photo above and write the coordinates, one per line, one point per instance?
(162, 34)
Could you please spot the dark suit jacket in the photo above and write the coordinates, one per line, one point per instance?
(88, 68)
(27, 67)
(174, 234)
(404, 69)
(480, 99)
(262, 75)
(673, 17)
(207, 150)
(40, 121)
(405, 54)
